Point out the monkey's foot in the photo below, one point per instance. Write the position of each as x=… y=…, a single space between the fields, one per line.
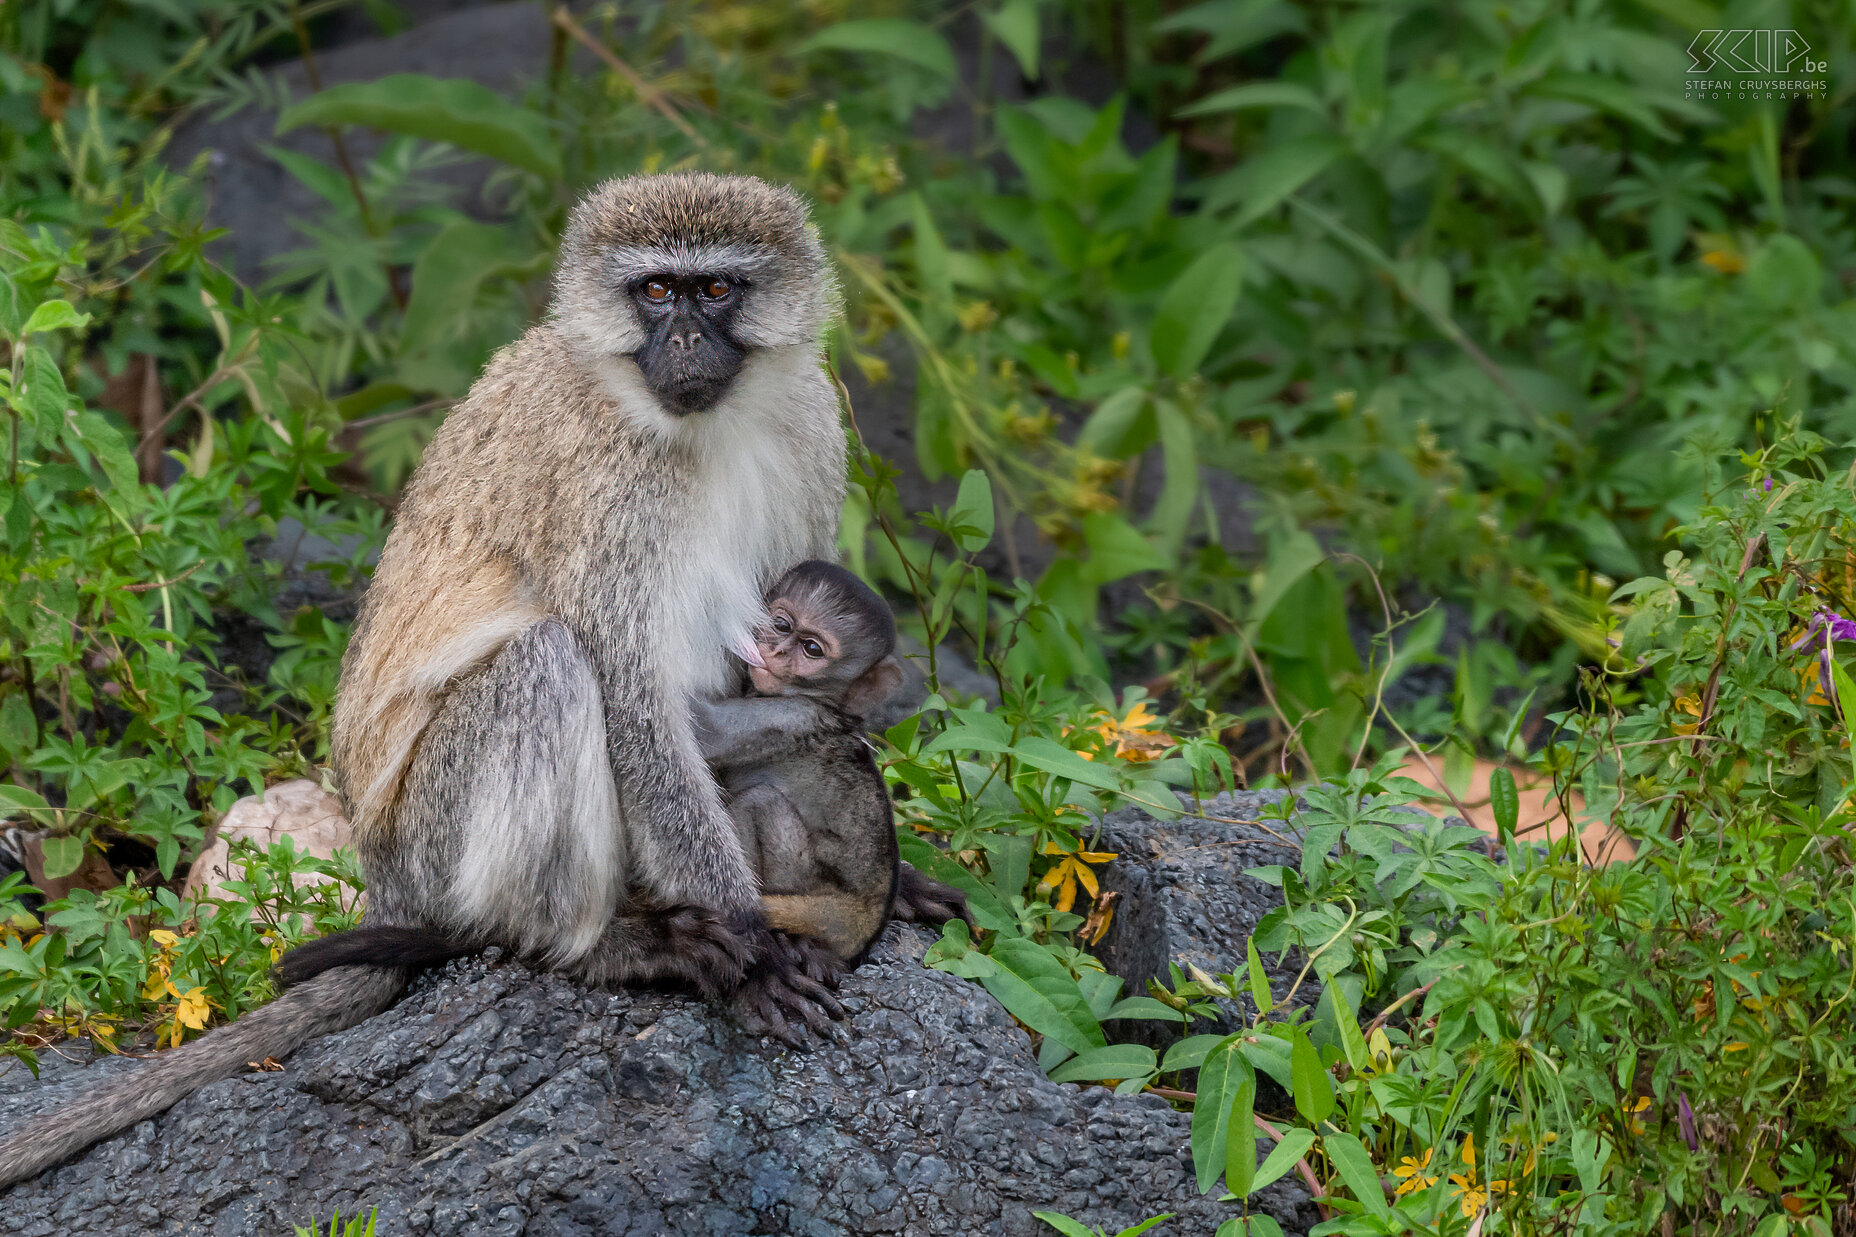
x=676 y=944
x=708 y=952
x=788 y=994
x=921 y=900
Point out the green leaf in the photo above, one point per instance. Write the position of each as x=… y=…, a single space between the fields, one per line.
x=932 y=261
x=973 y=511
x=1053 y=757
x=1846 y=700
x=18 y=798
x=888 y=36
x=1015 y=24
x=1265 y=181
x=1179 y=493
x=1294 y=1145
x=1355 y=1166
x=105 y=444
x=54 y=316
x=1117 y=549
x=1065 y=1225
x=1036 y=990
x=1190 y=1053
x=1107 y=429
x=1240 y=1157
x=1135 y=1230
x=1255 y=94
x=1142 y=1008
x=1346 y=1019
x=1114 y=1061
x=1194 y=309
x=1313 y=1089
x=62 y=855
x=1272 y=1055
x=40 y=391
x=461 y=259
x=1259 y=982
x=19 y=730
x=1294 y=558
x=1221 y=1078
x=1505 y=799
x=439 y=109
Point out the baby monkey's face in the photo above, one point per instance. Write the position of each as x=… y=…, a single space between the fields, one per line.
x=798 y=652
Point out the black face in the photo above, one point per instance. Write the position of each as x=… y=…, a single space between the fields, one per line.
x=690 y=354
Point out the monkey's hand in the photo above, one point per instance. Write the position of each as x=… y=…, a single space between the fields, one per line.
x=743 y=731
x=788 y=993
x=921 y=900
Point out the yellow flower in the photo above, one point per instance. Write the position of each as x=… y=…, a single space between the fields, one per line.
x=1137 y=736
x=1631 y=1109
x=1058 y=886
x=976 y=316
x=1690 y=705
x=1726 y=261
x=1411 y=1173
x=1470 y=1194
x=192 y=1011
x=1469 y=1150
x=164 y=938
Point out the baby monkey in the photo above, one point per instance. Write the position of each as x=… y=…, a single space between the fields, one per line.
x=808 y=802
x=807 y=799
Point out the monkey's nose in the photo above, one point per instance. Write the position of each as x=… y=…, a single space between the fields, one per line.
x=686 y=340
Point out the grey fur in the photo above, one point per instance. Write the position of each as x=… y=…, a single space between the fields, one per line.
x=569 y=564
x=333 y=1001
x=810 y=806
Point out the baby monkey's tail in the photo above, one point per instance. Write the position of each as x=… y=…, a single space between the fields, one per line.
x=333 y=1001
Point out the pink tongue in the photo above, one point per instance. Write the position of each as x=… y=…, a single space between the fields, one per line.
x=749 y=652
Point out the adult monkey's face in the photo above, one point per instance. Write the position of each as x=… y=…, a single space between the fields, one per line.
x=687 y=276
x=690 y=353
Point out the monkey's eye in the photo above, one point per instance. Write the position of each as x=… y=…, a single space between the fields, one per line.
x=717 y=289
x=657 y=290
x=781 y=625
x=813 y=648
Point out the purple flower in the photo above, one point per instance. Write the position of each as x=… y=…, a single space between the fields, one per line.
x=1686 y=1116
x=1768 y=484
x=1825 y=629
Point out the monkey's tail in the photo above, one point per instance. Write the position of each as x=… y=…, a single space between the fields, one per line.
x=332 y=1001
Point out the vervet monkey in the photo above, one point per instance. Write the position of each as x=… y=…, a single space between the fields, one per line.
x=589 y=531
x=810 y=807
x=809 y=804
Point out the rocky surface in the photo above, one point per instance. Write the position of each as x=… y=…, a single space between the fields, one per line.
x=493 y=1100
x=1185 y=898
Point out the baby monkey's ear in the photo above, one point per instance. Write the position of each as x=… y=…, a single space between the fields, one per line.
x=871 y=688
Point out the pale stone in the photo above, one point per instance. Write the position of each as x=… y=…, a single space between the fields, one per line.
x=310 y=815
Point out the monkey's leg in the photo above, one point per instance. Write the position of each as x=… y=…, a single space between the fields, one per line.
x=921 y=900
x=508 y=828
x=846 y=921
x=774 y=838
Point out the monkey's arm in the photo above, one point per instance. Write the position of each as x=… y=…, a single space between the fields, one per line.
x=740 y=732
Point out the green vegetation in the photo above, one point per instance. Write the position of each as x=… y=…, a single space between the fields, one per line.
x=1472 y=305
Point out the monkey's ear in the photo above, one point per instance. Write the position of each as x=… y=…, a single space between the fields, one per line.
x=873 y=687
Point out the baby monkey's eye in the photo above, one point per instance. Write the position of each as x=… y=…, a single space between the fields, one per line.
x=813 y=648
x=657 y=290
x=717 y=289
x=781 y=625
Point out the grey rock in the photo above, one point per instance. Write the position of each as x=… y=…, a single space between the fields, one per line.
x=1185 y=899
x=497 y=1100
x=502 y=46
